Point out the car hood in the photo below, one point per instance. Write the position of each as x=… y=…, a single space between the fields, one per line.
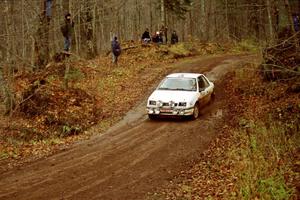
x=171 y=95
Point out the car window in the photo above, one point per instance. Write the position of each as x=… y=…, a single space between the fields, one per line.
x=205 y=81
x=202 y=83
x=187 y=84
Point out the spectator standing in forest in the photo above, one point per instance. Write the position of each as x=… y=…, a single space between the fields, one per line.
x=116 y=50
x=157 y=38
x=296 y=21
x=146 y=36
x=67 y=30
x=164 y=34
x=174 y=38
x=161 y=37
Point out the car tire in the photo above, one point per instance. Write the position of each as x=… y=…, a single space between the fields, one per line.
x=152 y=117
x=212 y=97
x=196 y=112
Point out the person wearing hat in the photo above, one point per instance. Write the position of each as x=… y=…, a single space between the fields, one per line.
x=67 y=30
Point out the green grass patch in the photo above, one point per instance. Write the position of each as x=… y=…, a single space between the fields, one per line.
x=247 y=45
x=264 y=161
x=181 y=50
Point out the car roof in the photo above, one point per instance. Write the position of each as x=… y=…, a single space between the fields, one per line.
x=184 y=75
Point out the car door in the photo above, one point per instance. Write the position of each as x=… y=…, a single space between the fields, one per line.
x=202 y=91
x=209 y=88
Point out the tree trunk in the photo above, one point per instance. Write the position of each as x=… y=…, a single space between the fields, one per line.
x=151 y=16
x=227 y=20
x=23 y=32
x=162 y=12
x=202 y=19
x=271 y=32
x=7 y=95
x=89 y=29
x=66 y=6
x=42 y=39
x=7 y=27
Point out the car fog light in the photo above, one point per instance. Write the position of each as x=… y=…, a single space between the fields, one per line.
x=175 y=112
x=151 y=111
x=157 y=111
x=181 y=112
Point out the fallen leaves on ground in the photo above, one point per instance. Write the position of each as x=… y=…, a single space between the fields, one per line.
x=49 y=116
x=222 y=171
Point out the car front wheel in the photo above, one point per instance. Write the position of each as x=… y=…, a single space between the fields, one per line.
x=152 y=117
x=196 y=111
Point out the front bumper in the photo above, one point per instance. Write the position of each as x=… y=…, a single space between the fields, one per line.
x=170 y=111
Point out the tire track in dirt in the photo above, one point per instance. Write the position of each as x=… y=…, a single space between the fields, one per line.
x=131 y=159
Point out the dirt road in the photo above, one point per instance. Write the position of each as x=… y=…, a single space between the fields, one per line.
x=132 y=158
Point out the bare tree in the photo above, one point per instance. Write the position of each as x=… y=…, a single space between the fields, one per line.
x=42 y=37
x=6 y=94
x=31 y=35
x=89 y=7
x=269 y=8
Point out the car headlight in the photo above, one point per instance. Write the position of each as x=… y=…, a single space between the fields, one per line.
x=159 y=104
x=152 y=103
x=183 y=104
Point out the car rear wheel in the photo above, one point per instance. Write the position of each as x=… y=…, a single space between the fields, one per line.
x=212 y=97
x=196 y=111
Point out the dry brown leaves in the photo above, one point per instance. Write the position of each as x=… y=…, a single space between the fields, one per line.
x=215 y=176
x=48 y=116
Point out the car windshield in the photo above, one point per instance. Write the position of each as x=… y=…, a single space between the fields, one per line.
x=185 y=84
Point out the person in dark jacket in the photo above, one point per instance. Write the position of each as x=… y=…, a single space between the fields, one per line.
x=146 y=36
x=296 y=21
x=116 y=50
x=174 y=38
x=157 y=38
x=67 y=30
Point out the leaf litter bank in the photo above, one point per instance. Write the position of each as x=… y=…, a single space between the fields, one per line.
x=49 y=117
x=256 y=156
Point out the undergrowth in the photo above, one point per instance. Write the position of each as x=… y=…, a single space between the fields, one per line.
x=264 y=161
x=246 y=45
x=257 y=153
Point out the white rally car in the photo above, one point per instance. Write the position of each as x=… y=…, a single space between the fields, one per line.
x=180 y=94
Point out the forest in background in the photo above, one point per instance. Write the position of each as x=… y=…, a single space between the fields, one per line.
x=30 y=30
x=30 y=33
x=50 y=105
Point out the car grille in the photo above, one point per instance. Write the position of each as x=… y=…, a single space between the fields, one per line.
x=164 y=104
